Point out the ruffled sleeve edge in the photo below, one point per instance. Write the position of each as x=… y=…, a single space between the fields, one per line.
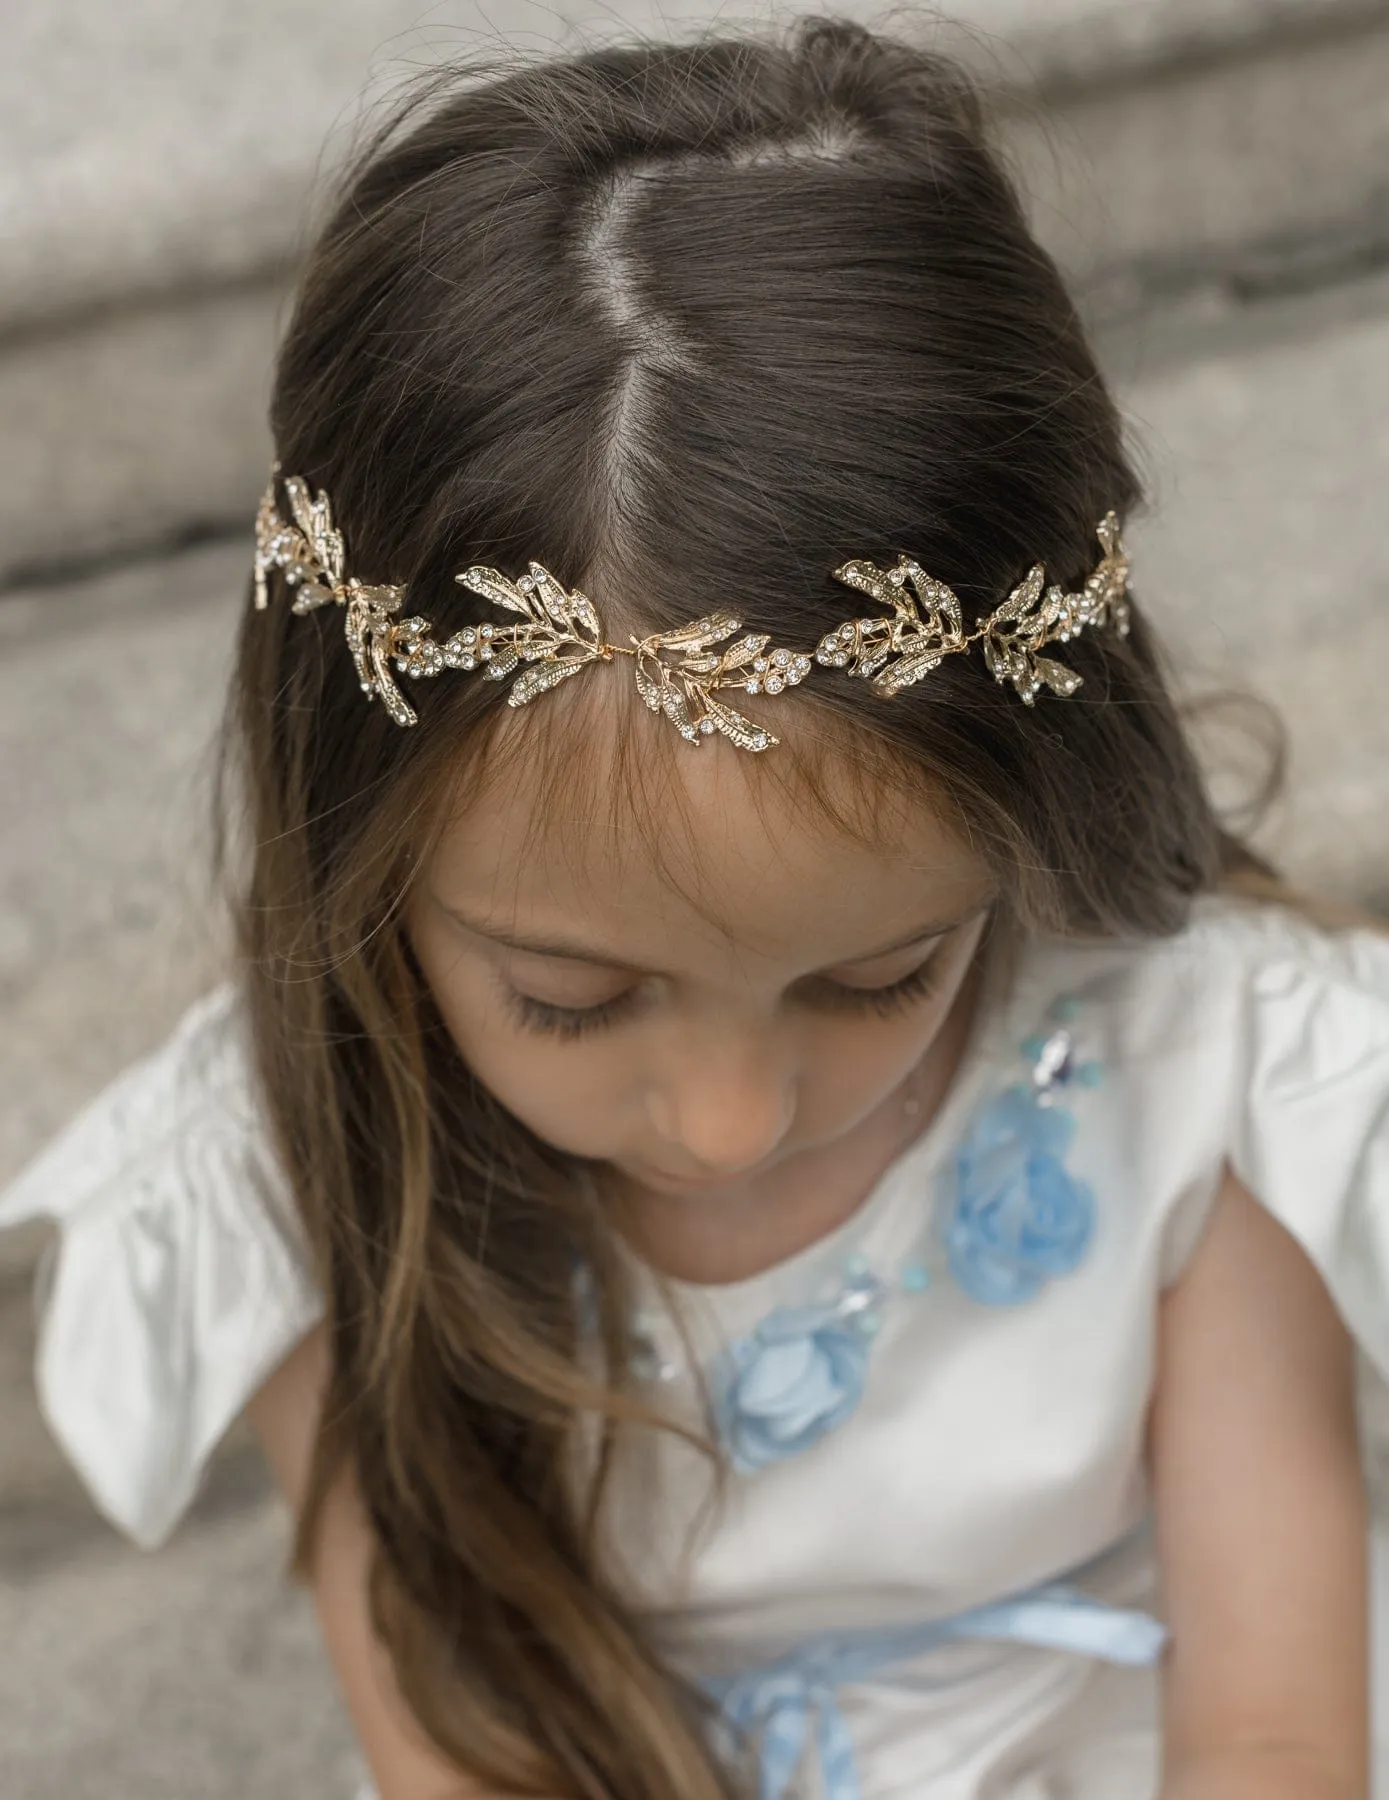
x=179 y=1280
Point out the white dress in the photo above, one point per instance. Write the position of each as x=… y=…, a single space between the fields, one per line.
x=937 y=1409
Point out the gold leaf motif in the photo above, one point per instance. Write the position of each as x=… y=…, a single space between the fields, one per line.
x=925 y=623
x=561 y=634
x=699 y=634
x=925 y=626
x=538 y=679
x=1023 y=597
x=676 y=708
x=355 y=630
x=308 y=595
x=392 y=699
x=550 y=594
x=907 y=670
x=496 y=588
x=310 y=554
x=869 y=579
x=649 y=689
x=1057 y=676
x=586 y=614
x=746 y=649
x=382 y=602
x=371 y=633
x=678 y=674
x=935 y=602
x=997 y=658
x=567 y=611
x=314 y=518
x=736 y=728
x=503 y=660
x=275 y=545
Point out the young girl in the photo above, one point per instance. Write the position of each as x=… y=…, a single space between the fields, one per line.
x=782 y=1228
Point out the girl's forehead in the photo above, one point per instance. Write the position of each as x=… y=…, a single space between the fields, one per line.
x=673 y=851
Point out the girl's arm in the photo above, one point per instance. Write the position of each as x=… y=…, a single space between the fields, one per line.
x=1261 y=1523
x=284 y=1414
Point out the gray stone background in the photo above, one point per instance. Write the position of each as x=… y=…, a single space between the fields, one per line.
x=1214 y=175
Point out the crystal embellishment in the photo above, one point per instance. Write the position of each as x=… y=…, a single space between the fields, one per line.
x=309 y=553
x=681 y=674
x=1017 y=1219
x=924 y=623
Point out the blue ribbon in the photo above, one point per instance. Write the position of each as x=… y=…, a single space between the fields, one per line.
x=777 y=1703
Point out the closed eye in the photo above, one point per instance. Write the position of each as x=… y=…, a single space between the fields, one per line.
x=839 y=996
x=569 y=1023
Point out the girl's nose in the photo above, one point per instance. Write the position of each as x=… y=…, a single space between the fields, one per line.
x=724 y=1109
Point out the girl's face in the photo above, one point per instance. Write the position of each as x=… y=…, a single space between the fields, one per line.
x=706 y=1018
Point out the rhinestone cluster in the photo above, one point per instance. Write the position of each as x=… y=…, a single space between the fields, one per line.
x=836 y=647
x=782 y=669
x=419 y=656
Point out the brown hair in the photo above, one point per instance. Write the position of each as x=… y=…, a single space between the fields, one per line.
x=678 y=323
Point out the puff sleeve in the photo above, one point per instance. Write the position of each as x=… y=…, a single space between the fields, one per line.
x=179 y=1279
x=1311 y=1125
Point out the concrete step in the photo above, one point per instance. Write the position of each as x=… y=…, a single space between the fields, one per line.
x=111 y=693
x=157 y=217
x=1264 y=434
x=198 y=1675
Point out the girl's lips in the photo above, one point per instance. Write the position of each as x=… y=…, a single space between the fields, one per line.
x=657 y=1179
x=682 y=1183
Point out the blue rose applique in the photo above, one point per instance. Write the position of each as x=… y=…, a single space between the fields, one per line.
x=1020 y=1217
x=789 y=1383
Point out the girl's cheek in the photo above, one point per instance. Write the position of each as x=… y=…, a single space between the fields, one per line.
x=572 y=1094
x=858 y=1065
x=861 y=1067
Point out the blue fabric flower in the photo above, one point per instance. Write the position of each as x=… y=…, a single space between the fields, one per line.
x=784 y=1387
x=1020 y=1217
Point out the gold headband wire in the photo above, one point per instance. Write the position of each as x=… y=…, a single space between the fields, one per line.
x=681 y=673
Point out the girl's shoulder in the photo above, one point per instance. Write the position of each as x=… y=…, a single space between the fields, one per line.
x=1254 y=961
x=1251 y=1003
x=1257 y=1041
x=178 y=1278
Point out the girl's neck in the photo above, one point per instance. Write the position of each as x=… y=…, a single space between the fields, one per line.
x=741 y=1231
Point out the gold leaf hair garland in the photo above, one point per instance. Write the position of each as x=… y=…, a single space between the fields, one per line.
x=924 y=624
x=681 y=673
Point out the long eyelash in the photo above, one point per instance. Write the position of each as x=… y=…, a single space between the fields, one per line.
x=885 y=1001
x=567 y=1022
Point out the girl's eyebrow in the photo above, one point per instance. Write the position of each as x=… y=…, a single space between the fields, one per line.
x=569 y=951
